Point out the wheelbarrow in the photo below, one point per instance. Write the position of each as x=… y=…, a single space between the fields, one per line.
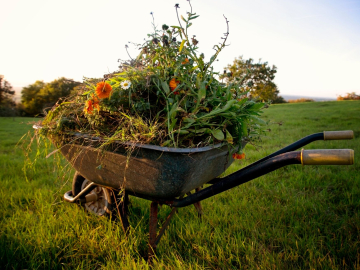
x=104 y=180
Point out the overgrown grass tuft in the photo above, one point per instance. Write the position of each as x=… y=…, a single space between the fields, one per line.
x=298 y=217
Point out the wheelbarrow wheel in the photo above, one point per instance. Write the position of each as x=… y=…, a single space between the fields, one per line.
x=100 y=207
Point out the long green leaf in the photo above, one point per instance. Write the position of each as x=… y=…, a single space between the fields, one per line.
x=165 y=86
x=182 y=131
x=202 y=91
x=193 y=17
x=218 y=134
x=256 y=106
x=182 y=45
x=229 y=138
x=257 y=120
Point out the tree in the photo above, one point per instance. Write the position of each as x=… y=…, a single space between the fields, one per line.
x=39 y=96
x=55 y=90
x=349 y=96
x=30 y=99
x=7 y=103
x=255 y=77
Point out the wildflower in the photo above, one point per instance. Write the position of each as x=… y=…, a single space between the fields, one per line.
x=91 y=104
x=103 y=89
x=238 y=156
x=88 y=107
x=173 y=84
x=95 y=101
x=185 y=61
x=125 y=84
x=194 y=41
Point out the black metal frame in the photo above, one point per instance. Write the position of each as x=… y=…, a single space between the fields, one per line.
x=272 y=162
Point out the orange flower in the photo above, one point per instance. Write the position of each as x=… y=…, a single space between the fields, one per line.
x=91 y=104
x=103 y=89
x=95 y=102
x=185 y=61
x=173 y=84
x=238 y=156
x=88 y=107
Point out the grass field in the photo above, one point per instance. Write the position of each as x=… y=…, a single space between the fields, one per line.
x=298 y=217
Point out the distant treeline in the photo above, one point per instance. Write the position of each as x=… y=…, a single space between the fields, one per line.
x=300 y=100
x=349 y=96
x=36 y=98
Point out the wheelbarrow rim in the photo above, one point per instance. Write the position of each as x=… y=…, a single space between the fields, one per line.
x=148 y=146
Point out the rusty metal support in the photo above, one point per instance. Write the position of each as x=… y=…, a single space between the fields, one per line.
x=198 y=206
x=154 y=238
x=165 y=225
x=152 y=230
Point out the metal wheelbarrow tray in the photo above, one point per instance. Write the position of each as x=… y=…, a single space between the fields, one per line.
x=167 y=176
x=151 y=171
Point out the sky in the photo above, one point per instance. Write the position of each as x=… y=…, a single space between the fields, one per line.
x=315 y=44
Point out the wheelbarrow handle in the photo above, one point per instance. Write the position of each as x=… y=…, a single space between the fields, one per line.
x=326 y=135
x=305 y=157
x=339 y=135
x=327 y=157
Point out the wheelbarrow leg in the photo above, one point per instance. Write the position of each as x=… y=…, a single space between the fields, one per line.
x=197 y=205
x=152 y=230
x=122 y=208
x=153 y=238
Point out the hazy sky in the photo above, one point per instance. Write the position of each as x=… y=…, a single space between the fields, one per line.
x=315 y=44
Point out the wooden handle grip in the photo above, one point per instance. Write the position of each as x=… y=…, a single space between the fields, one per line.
x=339 y=135
x=327 y=157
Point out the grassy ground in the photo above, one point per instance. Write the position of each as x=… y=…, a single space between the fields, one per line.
x=298 y=217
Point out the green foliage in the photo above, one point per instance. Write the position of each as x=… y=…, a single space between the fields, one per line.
x=30 y=98
x=279 y=100
x=257 y=78
x=171 y=89
x=7 y=104
x=39 y=95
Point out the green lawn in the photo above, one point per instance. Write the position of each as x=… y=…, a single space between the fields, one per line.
x=298 y=217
